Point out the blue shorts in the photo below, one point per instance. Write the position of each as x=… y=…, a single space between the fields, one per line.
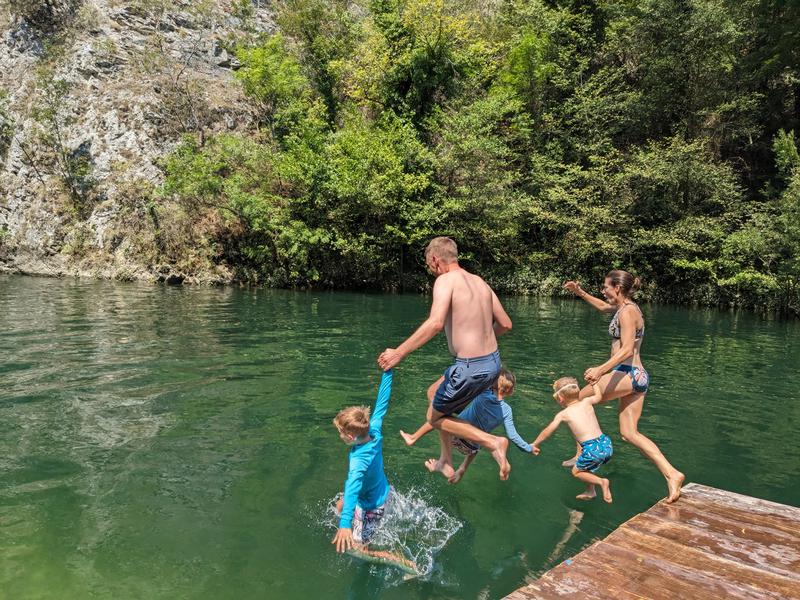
x=367 y=522
x=594 y=453
x=464 y=380
x=639 y=377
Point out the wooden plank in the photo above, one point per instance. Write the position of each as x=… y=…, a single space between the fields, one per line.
x=656 y=548
x=620 y=572
x=749 y=546
x=778 y=523
x=653 y=577
x=584 y=577
x=753 y=505
x=710 y=544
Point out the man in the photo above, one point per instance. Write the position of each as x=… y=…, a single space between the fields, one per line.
x=472 y=317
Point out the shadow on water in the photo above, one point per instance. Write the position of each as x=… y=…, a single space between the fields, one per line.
x=177 y=442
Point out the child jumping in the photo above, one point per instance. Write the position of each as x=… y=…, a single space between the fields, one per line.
x=366 y=491
x=486 y=412
x=596 y=446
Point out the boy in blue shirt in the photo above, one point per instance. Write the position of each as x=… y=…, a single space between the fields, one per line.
x=486 y=412
x=366 y=491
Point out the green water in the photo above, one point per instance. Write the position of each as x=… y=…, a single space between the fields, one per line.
x=164 y=442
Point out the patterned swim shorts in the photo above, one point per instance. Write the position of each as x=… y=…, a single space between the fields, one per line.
x=594 y=453
x=367 y=522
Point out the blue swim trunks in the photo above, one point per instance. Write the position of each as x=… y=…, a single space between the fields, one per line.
x=464 y=380
x=594 y=453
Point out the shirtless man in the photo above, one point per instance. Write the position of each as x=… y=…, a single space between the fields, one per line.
x=472 y=318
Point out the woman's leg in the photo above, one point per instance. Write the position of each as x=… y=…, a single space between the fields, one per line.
x=630 y=410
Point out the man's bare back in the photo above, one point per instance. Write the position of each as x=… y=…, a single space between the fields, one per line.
x=469 y=322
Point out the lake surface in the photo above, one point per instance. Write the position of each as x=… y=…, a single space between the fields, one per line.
x=160 y=442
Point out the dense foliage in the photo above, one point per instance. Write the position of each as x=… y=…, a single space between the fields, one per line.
x=550 y=139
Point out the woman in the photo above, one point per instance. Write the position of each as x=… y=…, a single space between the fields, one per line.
x=623 y=376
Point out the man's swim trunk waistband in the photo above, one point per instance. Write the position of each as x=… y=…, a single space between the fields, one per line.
x=464 y=380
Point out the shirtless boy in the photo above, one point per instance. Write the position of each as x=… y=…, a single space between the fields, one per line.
x=579 y=416
x=472 y=318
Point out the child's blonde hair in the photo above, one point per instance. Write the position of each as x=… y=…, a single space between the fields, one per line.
x=353 y=420
x=506 y=382
x=568 y=387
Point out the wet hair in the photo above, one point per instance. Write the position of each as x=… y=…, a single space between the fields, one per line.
x=506 y=382
x=353 y=420
x=443 y=248
x=628 y=284
x=567 y=387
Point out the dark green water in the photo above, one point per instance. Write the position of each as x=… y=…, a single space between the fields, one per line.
x=177 y=442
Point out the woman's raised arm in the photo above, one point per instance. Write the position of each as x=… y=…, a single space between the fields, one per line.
x=601 y=305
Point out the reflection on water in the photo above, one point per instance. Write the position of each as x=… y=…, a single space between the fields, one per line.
x=177 y=442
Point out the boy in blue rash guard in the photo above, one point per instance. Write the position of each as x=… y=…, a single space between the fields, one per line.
x=486 y=413
x=366 y=491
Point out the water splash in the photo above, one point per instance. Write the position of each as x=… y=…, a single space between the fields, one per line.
x=410 y=528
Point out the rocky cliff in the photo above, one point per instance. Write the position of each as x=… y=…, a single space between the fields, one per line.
x=93 y=94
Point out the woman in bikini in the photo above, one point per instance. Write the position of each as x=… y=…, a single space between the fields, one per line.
x=623 y=376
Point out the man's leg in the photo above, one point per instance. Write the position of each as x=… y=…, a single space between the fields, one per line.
x=445 y=463
x=496 y=445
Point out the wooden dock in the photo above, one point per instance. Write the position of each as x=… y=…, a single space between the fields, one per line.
x=709 y=544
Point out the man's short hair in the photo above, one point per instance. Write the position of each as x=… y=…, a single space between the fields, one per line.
x=353 y=420
x=443 y=248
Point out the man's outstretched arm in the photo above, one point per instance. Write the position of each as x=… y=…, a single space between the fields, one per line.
x=442 y=294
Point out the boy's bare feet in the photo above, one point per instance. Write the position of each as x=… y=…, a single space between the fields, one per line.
x=606 y=487
x=589 y=494
x=437 y=465
x=407 y=438
x=456 y=477
x=499 y=455
x=570 y=462
x=674 y=484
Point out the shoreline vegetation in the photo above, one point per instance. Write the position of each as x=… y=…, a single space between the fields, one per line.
x=552 y=140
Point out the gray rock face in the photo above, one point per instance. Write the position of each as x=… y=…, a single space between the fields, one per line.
x=129 y=69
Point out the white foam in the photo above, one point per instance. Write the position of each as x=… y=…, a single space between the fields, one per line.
x=411 y=528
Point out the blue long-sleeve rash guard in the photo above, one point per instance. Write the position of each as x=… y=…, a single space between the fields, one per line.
x=366 y=484
x=487 y=412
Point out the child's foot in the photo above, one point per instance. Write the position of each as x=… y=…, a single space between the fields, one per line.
x=570 y=462
x=456 y=477
x=674 y=484
x=589 y=494
x=407 y=438
x=606 y=487
x=434 y=465
x=499 y=455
